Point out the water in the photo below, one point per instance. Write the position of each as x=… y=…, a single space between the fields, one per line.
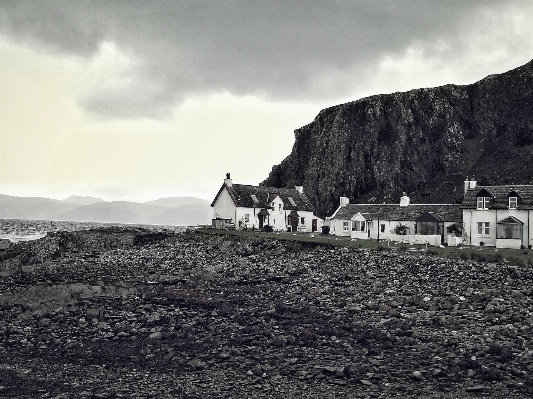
x=16 y=230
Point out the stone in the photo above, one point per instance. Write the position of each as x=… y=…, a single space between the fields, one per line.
x=417 y=375
x=155 y=335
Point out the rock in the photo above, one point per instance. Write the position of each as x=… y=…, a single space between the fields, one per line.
x=4 y=244
x=197 y=364
x=417 y=375
x=155 y=335
x=45 y=322
x=477 y=388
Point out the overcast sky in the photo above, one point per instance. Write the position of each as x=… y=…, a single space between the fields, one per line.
x=136 y=100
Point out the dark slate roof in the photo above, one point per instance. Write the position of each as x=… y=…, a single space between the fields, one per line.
x=245 y=196
x=499 y=196
x=445 y=212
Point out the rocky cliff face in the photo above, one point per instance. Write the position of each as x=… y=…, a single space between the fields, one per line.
x=424 y=141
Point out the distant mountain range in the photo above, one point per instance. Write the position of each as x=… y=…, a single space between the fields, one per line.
x=175 y=211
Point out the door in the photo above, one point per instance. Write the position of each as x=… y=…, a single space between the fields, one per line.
x=314 y=225
x=260 y=221
x=294 y=222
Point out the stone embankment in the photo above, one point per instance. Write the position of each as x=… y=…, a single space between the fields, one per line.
x=129 y=313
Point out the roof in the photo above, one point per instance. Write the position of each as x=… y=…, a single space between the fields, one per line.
x=445 y=212
x=499 y=196
x=510 y=220
x=248 y=196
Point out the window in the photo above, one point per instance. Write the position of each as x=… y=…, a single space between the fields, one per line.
x=382 y=228
x=483 y=229
x=345 y=226
x=509 y=230
x=483 y=202
x=358 y=225
x=513 y=202
x=247 y=217
x=302 y=220
x=279 y=207
x=273 y=205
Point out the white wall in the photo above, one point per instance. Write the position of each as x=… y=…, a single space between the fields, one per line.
x=471 y=217
x=224 y=207
x=336 y=228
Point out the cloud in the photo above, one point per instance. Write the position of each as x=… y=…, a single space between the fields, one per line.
x=142 y=58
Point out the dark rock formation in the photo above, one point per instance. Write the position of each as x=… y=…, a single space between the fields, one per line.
x=424 y=141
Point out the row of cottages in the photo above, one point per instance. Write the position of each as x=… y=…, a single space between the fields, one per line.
x=434 y=224
x=242 y=206
x=498 y=215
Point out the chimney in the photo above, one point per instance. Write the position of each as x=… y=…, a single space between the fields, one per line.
x=404 y=200
x=300 y=189
x=470 y=183
x=227 y=180
x=344 y=201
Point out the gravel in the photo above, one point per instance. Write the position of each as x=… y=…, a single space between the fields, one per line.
x=133 y=313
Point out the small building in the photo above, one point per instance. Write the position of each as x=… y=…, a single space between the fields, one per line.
x=498 y=216
x=242 y=206
x=434 y=224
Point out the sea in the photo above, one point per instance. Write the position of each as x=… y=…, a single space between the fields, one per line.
x=16 y=230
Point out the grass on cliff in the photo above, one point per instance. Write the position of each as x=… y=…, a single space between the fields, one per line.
x=513 y=257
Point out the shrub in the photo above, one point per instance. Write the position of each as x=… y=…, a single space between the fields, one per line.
x=401 y=229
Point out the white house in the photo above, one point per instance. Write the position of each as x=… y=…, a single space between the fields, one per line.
x=434 y=224
x=498 y=215
x=254 y=207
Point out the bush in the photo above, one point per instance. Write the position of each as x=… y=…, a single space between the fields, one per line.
x=268 y=229
x=401 y=229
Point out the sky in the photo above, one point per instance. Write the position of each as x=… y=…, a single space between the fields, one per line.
x=138 y=100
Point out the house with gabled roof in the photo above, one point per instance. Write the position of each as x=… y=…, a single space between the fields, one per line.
x=242 y=206
x=434 y=224
x=498 y=215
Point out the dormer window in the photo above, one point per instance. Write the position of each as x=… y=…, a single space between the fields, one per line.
x=483 y=202
x=484 y=198
x=513 y=199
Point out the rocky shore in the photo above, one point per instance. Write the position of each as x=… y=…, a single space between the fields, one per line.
x=133 y=313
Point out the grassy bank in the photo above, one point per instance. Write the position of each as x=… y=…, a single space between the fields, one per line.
x=515 y=257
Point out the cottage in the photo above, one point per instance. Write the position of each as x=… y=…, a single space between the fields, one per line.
x=254 y=207
x=434 y=224
x=497 y=215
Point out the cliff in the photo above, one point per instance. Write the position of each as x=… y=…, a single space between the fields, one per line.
x=425 y=142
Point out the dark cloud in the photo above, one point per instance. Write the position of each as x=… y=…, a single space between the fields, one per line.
x=276 y=49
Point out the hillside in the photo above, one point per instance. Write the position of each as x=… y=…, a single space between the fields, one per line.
x=83 y=200
x=86 y=209
x=425 y=142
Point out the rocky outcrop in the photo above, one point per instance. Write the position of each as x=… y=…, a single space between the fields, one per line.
x=424 y=141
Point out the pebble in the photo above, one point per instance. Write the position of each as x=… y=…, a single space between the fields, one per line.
x=190 y=315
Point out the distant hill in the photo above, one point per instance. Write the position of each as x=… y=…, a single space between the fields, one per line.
x=189 y=214
x=83 y=200
x=174 y=202
x=32 y=207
